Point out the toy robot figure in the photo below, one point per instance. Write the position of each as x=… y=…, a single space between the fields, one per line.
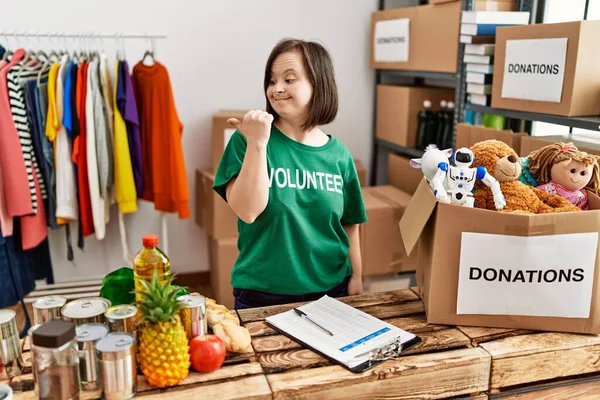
x=461 y=179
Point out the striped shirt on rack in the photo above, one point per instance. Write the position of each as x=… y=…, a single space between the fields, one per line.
x=17 y=77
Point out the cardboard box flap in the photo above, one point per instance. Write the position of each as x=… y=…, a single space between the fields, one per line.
x=416 y=215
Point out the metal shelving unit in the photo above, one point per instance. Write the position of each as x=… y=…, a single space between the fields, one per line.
x=403 y=151
x=458 y=81
x=591 y=123
x=536 y=7
x=442 y=76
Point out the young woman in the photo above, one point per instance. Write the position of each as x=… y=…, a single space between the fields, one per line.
x=294 y=187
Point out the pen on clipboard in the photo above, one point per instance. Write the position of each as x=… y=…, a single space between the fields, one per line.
x=303 y=315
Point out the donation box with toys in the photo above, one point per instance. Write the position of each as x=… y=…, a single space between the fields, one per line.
x=514 y=254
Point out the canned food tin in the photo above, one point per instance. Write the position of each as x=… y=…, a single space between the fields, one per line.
x=87 y=336
x=10 y=345
x=47 y=308
x=116 y=353
x=89 y=310
x=193 y=316
x=122 y=318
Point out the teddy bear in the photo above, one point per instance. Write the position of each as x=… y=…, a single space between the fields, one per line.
x=504 y=164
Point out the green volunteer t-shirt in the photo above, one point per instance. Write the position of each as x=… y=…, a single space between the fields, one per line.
x=298 y=244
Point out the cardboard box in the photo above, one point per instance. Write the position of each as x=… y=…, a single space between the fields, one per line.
x=222 y=254
x=445 y=235
x=467 y=135
x=532 y=143
x=381 y=245
x=433 y=33
x=402 y=175
x=579 y=94
x=496 y=6
x=221 y=133
x=441 y=1
x=362 y=173
x=398 y=111
x=213 y=214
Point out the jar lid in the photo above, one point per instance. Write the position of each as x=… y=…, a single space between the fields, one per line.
x=192 y=300
x=115 y=345
x=91 y=332
x=8 y=324
x=33 y=329
x=49 y=302
x=54 y=334
x=122 y=311
x=85 y=308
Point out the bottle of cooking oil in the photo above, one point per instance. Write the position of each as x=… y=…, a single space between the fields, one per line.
x=146 y=261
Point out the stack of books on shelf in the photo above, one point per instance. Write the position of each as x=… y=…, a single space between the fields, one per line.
x=478 y=32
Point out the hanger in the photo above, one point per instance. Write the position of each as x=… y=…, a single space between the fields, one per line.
x=74 y=56
x=123 y=54
x=150 y=52
x=53 y=56
x=37 y=59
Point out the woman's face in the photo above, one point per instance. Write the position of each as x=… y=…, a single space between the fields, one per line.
x=289 y=90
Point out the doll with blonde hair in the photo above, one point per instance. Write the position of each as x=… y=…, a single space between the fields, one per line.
x=562 y=169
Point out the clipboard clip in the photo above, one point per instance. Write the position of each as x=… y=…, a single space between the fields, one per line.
x=389 y=351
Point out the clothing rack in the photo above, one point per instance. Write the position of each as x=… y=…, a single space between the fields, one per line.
x=101 y=35
x=76 y=35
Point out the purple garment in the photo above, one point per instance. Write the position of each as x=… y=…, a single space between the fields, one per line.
x=128 y=108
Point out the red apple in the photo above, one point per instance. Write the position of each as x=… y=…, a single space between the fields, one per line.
x=207 y=353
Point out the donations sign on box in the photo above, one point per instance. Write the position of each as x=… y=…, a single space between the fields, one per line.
x=534 y=69
x=392 y=40
x=542 y=276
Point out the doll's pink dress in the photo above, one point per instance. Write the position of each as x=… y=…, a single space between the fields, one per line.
x=578 y=198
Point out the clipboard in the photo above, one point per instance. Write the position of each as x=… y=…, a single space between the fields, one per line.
x=359 y=342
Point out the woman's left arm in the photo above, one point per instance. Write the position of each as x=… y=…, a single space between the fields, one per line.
x=355 y=284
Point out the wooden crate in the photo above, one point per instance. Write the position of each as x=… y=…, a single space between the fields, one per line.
x=451 y=362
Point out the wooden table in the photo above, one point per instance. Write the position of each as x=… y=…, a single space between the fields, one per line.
x=451 y=362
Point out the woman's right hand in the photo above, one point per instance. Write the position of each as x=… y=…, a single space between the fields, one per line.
x=256 y=126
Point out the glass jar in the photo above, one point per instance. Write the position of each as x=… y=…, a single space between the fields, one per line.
x=56 y=361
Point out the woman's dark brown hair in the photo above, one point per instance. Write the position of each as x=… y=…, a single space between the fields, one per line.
x=323 y=106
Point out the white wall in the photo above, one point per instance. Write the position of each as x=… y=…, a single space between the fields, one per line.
x=215 y=53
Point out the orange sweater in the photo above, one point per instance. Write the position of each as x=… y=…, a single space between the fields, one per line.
x=163 y=165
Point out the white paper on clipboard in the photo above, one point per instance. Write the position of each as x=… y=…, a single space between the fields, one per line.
x=355 y=332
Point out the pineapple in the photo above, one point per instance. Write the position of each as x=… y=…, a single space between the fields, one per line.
x=163 y=346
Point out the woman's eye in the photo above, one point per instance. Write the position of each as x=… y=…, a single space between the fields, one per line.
x=271 y=82
x=573 y=170
x=290 y=80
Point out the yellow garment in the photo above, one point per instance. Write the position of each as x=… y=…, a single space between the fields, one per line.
x=52 y=122
x=125 y=192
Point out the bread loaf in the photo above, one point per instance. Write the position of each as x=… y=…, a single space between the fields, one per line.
x=226 y=326
x=236 y=338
